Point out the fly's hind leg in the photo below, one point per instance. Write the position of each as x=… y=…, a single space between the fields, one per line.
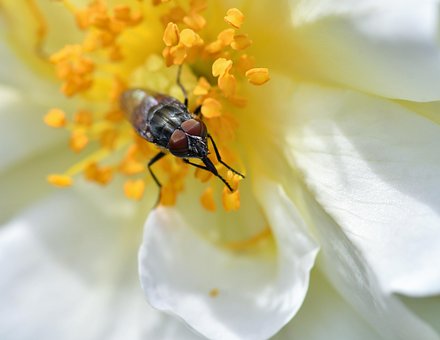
x=150 y=163
x=219 y=158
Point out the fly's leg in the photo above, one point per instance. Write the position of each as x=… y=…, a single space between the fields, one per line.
x=211 y=169
x=150 y=163
x=219 y=158
x=185 y=94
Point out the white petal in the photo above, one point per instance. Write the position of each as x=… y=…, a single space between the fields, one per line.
x=325 y=315
x=426 y=308
x=389 y=48
x=68 y=271
x=257 y=294
x=352 y=277
x=373 y=165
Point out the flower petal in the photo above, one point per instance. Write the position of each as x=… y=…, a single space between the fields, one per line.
x=373 y=165
x=255 y=294
x=68 y=272
x=21 y=125
x=387 y=48
x=348 y=270
x=325 y=315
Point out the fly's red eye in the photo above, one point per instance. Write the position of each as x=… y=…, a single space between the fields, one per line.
x=178 y=143
x=194 y=127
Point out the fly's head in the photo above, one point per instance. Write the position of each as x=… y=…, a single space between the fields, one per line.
x=189 y=140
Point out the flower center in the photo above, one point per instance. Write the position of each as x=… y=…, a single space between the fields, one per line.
x=119 y=51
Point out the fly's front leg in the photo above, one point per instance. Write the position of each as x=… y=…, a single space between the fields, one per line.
x=219 y=158
x=211 y=169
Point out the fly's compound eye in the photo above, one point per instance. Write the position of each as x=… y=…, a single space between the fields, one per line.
x=178 y=144
x=194 y=127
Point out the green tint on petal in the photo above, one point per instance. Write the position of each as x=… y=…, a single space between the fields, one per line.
x=326 y=315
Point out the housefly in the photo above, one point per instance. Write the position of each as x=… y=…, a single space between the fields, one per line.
x=165 y=121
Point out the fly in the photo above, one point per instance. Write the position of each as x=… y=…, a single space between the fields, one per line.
x=165 y=121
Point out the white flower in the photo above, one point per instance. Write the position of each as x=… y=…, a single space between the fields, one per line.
x=341 y=152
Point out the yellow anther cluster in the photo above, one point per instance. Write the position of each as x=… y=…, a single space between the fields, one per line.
x=107 y=60
x=74 y=69
x=55 y=118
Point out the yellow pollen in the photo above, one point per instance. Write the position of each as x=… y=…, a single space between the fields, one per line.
x=241 y=42
x=202 y=175
x=221 y=66
x=83 y=117
x=134 y=189
x=253 y=241
x=226 y=36
x=214 y=292
x=55 y=118
x=245 y=63
x=61 y=181
x=211 y=108
x=258 y=76
x=234 y=17
x=195 y=21
x=228 y=84
x=207 y=199
x=189 y=38
x=168 y=196
x=171 y=35
x=116 y=45
x=231 y=200
x=100 y=175
x=78 y=140
x=202 y=87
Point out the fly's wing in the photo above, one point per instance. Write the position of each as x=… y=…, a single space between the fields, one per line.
x=132 y=98
x=153 y=115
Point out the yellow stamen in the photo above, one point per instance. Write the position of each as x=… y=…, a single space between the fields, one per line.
x=231 y=200
x=207 y=199
x=100 y=175
x=221 y=66
x=42 y=26
x=168 y=196
x=228 y=84
x=226 y=36
x=241 y=42
x=258 y=76
x=61 y=181
x=171 y=34
x=195 y=21
x=55 y=118
x=211 y=108
x=108 y=61
x=83 y=117
x=190 y=38
x=214 y=292
x=134 y=189
x=263 y=235
x=202 y=87
x=78 y=140
x=234 y=17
